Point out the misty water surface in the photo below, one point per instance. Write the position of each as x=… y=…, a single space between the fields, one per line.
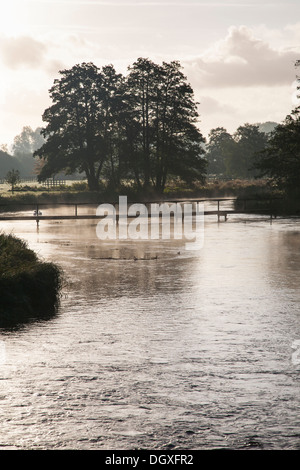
x=190 y=350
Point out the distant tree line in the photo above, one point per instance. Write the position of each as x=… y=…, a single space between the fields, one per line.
x=234 y=155
x=19 y=158
x=274 y=155
x=111 y=127
x=280 y=160
x=143 y=127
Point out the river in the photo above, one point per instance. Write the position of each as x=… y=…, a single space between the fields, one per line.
x=157 y=347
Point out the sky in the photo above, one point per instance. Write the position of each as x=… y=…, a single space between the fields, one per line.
x=238 y=56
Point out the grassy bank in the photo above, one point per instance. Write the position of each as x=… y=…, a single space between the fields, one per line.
x=219 y=188
x=259 y=194
x=29 y=288
x=79 y=193
x=16 y=200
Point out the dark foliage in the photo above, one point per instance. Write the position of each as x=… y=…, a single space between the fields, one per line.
x=29 y=288
x=141 y=127
x=280 y=161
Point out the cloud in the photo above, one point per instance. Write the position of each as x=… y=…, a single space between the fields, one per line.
x=22 y=51
x=25 y=101
x=209 y=105
x=243 y=60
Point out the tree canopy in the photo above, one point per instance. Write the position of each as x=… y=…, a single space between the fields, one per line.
x=24 y=146
x=27 y=142
x=142 y=126
x=233 y=155
x=280 y=160
x=219 y=149
x=13 y=178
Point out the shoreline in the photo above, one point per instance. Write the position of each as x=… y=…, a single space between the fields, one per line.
x=258 y=194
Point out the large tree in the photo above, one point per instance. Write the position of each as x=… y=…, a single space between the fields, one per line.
x=165 y=139
x=280 y=160
x=78 y=131
x=250 y=141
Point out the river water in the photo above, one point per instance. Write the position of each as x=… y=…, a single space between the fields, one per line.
x=157 y=347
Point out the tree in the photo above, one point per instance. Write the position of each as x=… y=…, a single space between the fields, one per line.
x=24 y=146
x=163 y=133
x=114 y=167
x=140 y=91
x=219 y=150
x=179 y=149
x=79 y=123
x=13 y=178
x=249 y=141
x=233 y=155
x=280 y=160
x=27 y=141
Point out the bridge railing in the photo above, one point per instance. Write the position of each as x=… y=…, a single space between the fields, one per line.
x=221 y=207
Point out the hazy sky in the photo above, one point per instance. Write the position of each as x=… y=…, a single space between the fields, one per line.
x=238 y=56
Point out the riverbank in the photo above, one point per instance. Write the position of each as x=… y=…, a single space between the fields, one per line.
x=29 y=287
x=276 y=203
x=79 y=193
x=253 y=196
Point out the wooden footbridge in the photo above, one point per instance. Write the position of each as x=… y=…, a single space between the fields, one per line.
x=75 y=211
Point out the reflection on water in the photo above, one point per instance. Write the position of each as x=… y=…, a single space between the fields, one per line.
x=157 y=347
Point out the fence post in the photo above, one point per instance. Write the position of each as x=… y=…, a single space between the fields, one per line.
x=37 y=216
x=271 y=209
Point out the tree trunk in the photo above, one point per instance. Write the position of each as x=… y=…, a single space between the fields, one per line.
x=93 y=183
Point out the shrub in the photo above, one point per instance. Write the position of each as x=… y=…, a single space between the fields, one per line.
x=29 y=287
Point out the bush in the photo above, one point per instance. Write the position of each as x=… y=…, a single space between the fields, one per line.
x=29 y=288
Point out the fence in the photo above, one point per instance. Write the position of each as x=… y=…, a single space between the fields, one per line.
x=49 y=183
